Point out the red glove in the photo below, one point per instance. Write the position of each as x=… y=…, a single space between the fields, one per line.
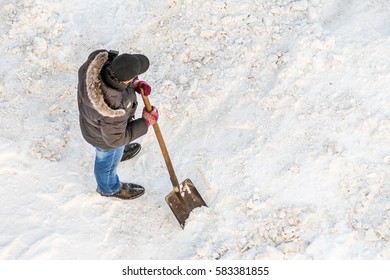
x=150 y=117
x=138 y=84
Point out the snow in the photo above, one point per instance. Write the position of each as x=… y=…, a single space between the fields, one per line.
x=277 y=110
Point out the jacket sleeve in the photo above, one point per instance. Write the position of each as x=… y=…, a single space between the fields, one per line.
x=116 y=134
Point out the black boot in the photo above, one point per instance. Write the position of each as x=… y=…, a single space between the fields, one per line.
x=129 y=191
x=131 y=151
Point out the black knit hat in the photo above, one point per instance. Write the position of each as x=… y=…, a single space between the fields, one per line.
x=127 y=66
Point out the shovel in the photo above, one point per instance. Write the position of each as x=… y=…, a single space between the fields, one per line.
x=184 y=197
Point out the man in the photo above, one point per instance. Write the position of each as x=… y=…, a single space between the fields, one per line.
x=107 y=103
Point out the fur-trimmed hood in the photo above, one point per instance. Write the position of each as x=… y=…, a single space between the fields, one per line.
x=94 y=87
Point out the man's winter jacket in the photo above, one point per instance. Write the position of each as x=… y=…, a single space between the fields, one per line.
x=106 y=108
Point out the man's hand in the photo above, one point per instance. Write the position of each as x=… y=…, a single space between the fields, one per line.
x=150 y=117
x=138 y=84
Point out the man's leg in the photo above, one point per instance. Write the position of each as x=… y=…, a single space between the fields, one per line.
x=106 y=163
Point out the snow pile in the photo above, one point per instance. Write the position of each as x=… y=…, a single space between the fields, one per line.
x=276 y=110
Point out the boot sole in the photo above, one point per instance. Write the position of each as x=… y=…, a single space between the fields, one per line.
x=124 y=198
x=129 y=198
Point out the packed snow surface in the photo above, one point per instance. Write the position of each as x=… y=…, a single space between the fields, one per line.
x=277 y=110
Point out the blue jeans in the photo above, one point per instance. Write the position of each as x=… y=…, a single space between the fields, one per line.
x=106 y=162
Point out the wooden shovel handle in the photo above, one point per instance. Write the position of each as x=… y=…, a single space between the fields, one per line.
x=161 y=142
